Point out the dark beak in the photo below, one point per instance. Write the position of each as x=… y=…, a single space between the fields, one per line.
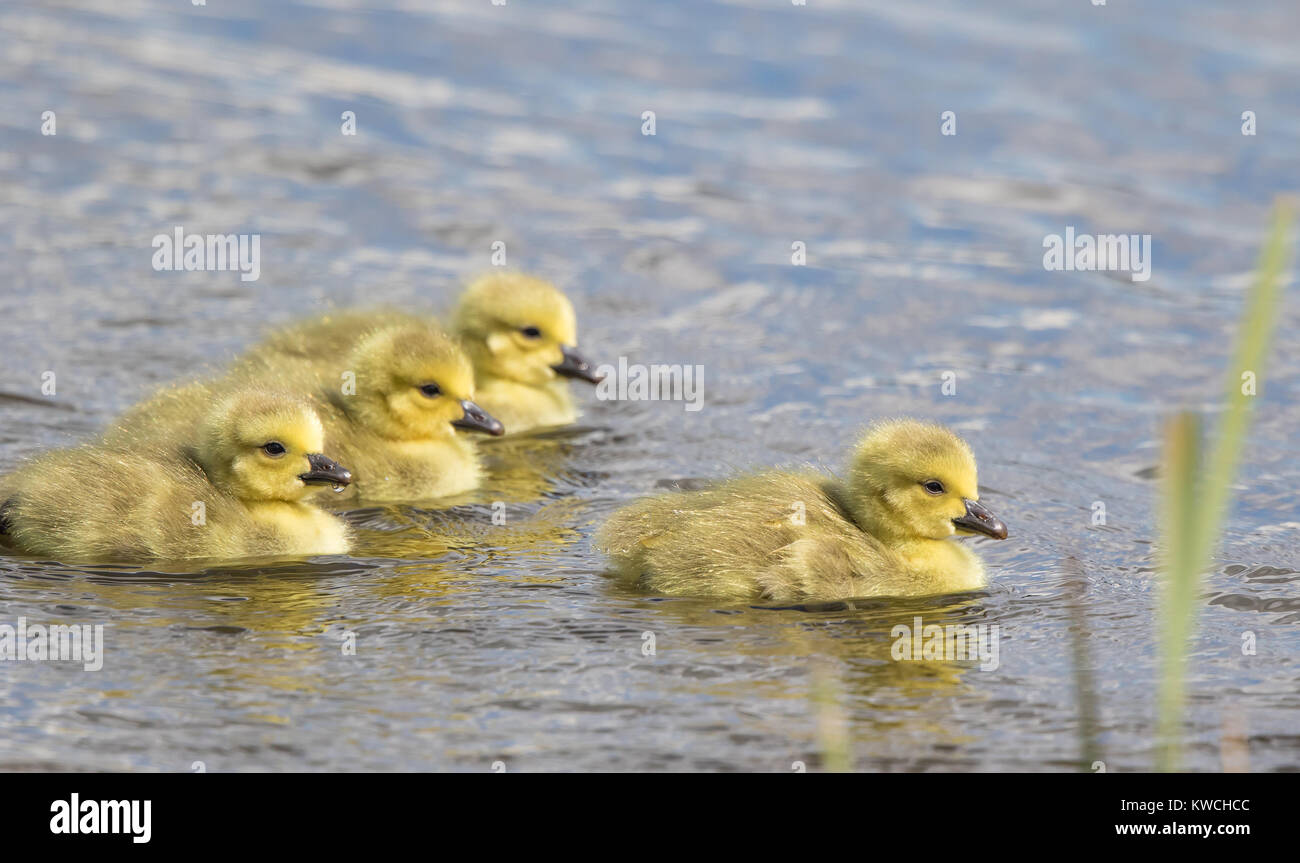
x=478 y=419
x=575 y=365
x=325 y=471
x=978 y=519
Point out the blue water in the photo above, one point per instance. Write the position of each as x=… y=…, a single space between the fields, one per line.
x=775 y=124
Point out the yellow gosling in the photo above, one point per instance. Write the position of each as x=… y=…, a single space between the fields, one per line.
x=393 y=406
x=238 y=487
x=885 y=530
x=522 y=335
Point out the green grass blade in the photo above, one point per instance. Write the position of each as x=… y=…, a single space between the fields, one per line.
x=1248 y=359
x=1196 y=493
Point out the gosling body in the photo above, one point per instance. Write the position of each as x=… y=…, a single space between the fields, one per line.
x=422 y=466
x=390 y=404
x=218 y=496
x=794 y=536
x=520 y=333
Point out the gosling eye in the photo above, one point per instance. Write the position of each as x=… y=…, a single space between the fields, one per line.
x=431 y=390
x=531 y=332
x=274 y=449
x=933 y=486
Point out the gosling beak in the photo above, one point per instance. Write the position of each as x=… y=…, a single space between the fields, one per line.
x=325 y=471
x=978 y=519
x=478 y=419
x=575 y=365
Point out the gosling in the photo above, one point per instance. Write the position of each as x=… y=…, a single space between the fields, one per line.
x=238 y=488
x=522 y=335
x=519 y=331
x=393 y=407
x=390 y=407
x=883 y=531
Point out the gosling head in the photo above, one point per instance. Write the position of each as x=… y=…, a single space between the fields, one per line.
x=915 y=480
x=412 y=382
x=265 y=446
x=522 y=329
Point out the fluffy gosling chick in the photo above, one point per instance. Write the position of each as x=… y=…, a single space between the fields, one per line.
x=885 y=530
x=390 y=402
x=237 y=488
x=391 y=408
x=521 y=334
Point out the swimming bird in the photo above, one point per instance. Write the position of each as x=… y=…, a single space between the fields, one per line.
x=884 y=530
x=519 y=331
x=238 y=487
x=390 y=405
x=393 y=406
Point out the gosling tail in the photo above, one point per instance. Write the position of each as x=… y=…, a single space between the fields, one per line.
x=4 y=517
